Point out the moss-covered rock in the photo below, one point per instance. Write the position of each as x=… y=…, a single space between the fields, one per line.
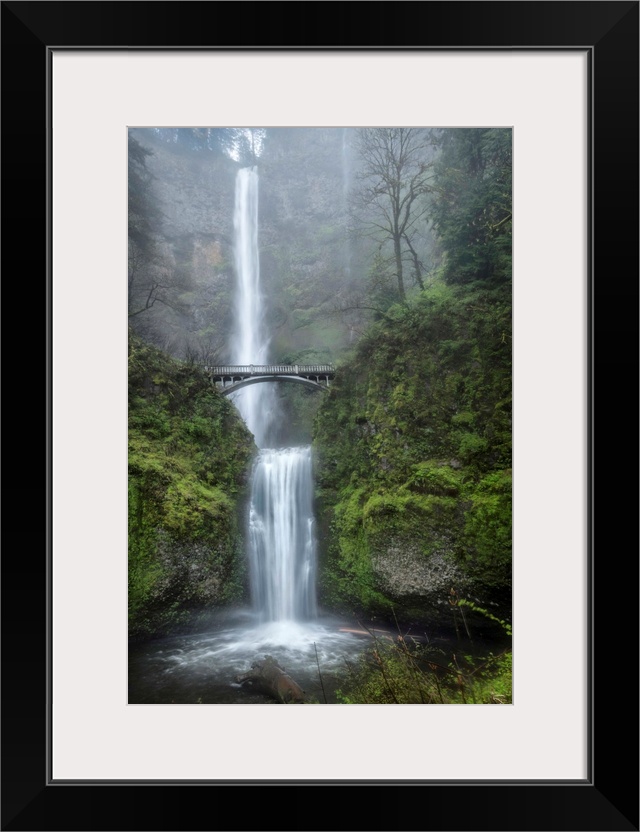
x=189 y=457
x=413 y=449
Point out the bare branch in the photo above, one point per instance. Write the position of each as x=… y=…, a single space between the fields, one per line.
x=396 y=173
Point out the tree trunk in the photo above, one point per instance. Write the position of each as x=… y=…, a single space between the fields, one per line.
x=417 y=271
x=397 y=250
x=268 y=677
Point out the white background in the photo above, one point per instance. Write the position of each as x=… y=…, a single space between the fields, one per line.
x=96 y=734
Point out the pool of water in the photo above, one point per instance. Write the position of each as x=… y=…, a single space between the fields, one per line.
x=203 y=668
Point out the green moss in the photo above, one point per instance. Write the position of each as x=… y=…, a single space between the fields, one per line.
x=189 y=454
x=435 y=478
x=414 y=439
x=190 y=505
x=488 y=526
x=395 y=511
x=348 y=576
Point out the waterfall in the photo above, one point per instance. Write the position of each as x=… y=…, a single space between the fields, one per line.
x=281 y=540
x=281 y=535
x=346 y=177
x=250 y=343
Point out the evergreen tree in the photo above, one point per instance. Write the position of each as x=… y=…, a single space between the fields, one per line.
x=472 y=204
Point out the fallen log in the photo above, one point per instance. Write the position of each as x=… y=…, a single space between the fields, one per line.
x=268 y=677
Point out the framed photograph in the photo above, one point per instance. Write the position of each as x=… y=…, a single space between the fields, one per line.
x=563 y=77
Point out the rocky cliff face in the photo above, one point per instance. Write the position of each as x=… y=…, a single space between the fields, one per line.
x=196 y=190
x=415 y=581
x=304 y=251
x=194 y=194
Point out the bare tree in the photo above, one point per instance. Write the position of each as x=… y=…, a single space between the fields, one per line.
x=203 y=348
x=153 y=279
x=388 y=203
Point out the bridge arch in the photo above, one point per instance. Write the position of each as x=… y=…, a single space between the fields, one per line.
x=228 y=378
x=245 y=382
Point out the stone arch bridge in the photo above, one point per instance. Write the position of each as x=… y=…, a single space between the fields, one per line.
x=233 y=377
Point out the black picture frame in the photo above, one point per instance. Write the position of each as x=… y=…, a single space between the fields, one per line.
x=608 y=799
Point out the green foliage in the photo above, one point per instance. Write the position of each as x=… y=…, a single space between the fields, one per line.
x=189 y=453
x=464 y=602
x=391 y=673
x=382 y=284
x=406 y=672
x=418 y=426
x=472 y=206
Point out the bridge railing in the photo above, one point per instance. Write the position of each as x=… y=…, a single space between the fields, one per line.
x=271 y=369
